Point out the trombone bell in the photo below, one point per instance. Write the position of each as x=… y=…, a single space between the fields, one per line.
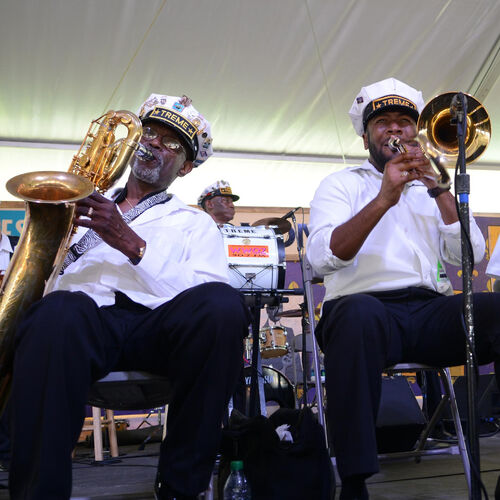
x=437 y=134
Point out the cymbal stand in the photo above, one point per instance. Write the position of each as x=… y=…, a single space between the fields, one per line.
x=307 y=276
x=256 y=381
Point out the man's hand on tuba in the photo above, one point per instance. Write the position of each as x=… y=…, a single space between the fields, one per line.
x=100 y=214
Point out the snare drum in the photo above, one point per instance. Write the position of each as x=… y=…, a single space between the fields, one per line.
x=256 y=257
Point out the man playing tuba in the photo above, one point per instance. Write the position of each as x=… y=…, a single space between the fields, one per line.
x=145 y=288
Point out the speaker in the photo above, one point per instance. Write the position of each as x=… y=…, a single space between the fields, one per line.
x=488 y=398
x=400 y=419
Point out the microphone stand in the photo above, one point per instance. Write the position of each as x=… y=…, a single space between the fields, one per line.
x=463 y=190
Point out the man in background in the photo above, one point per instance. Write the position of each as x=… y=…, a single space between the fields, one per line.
x=217 y=200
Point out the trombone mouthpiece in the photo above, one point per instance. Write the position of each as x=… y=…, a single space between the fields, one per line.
x=143 y=153
x=395 y=144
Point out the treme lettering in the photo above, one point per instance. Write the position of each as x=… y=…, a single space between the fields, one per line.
x=175 y=119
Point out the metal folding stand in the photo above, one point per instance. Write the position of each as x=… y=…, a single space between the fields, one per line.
x=309 y=300
x=463 y=189
x=257 y=401
x=307 y=278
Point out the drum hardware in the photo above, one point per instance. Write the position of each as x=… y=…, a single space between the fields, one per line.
x=282 y=225
x=256 y=300
x=266 y=298
x=256 y=401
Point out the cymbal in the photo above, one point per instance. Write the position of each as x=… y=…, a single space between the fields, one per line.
x=294 y=313
x=291 y=313
x=282 y=224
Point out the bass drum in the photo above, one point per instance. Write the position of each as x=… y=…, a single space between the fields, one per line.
x=256 y=257
x=277 y=388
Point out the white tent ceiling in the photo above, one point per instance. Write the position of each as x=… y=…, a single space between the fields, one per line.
x=275 y=77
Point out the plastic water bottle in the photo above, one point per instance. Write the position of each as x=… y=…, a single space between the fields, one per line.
x=237 y=487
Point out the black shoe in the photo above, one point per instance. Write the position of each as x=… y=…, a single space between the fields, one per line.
x=497 y=489
x=354 y=488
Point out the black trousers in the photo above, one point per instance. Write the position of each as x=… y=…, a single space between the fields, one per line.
x=66 y=342
x=362 y=334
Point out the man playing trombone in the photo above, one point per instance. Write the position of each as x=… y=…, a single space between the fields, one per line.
x=380 y=234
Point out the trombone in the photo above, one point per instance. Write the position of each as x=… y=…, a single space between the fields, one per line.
x=437 y=134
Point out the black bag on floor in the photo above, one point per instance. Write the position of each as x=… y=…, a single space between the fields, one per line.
x=279 y=469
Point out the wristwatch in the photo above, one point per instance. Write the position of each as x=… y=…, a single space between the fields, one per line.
x=436 y=191
x=136 y=260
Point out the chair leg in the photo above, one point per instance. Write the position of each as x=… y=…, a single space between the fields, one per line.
x=164 y=433
x=431 y=424
x=96 y=422
x=110 y=424
x=448 y=387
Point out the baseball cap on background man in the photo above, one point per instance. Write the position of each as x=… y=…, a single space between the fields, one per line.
x=179 y=114
x=218 y=188
x=387 y=95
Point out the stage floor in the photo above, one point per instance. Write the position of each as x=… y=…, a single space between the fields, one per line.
x=436 y=477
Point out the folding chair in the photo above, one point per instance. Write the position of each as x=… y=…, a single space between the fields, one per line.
x=448 y=397
x=130 y=390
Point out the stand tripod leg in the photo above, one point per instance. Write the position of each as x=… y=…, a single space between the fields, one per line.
x=308 y=292
x=257 y=403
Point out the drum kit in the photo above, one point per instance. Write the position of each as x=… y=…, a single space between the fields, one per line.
x=257 y=266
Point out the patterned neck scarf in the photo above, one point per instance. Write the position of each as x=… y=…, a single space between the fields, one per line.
x=90 y=239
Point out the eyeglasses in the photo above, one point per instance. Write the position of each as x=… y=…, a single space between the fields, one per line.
x=171 y=144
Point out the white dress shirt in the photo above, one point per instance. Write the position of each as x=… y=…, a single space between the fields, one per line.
x=184 y=248
x=408 y=246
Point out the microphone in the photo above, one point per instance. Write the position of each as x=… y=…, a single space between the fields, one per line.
x=289 y=214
